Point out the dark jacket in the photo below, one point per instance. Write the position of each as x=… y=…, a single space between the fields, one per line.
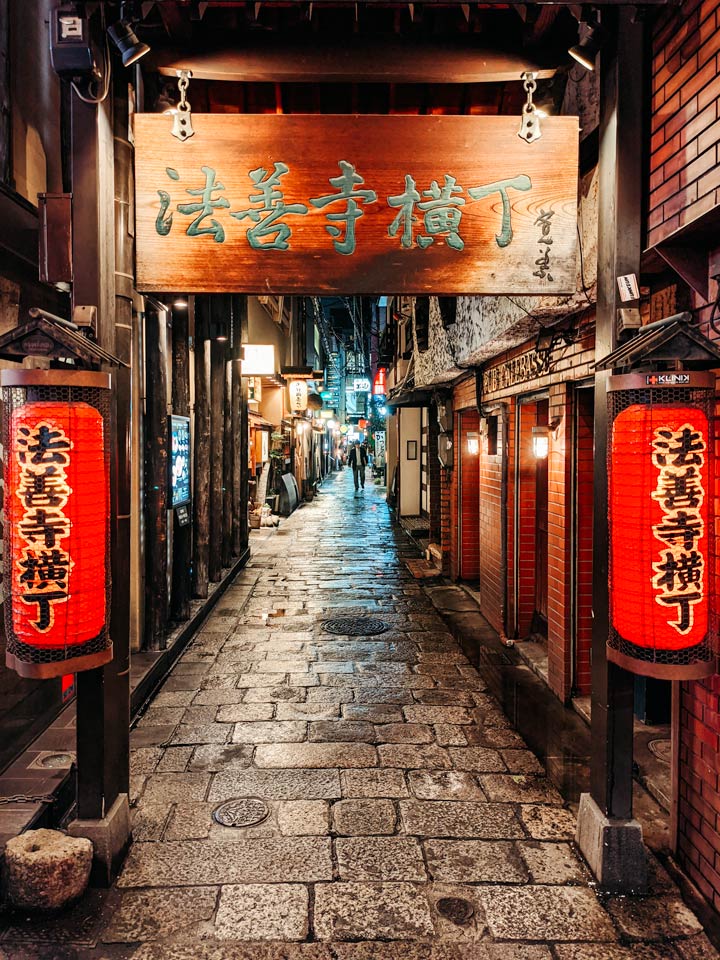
x=358 y=457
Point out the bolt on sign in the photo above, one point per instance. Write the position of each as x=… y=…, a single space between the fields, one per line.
x=368 y=204
x=57 y=508
x=660 y=469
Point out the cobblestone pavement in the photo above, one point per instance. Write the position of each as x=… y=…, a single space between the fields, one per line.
x=405 y=817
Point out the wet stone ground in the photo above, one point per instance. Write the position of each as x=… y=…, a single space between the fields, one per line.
x=404 y=818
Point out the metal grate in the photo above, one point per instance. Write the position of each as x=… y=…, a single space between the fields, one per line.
x=356 y=626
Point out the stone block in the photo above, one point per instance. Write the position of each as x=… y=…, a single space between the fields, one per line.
x=46 y=869
x=613 y=849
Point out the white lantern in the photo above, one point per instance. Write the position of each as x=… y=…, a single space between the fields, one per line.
x=298 y=394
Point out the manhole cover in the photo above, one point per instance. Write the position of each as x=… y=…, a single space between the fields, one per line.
x=56 y=761
x=662 y=749
x=356 y=626
x=455 y=909
x=245 y=812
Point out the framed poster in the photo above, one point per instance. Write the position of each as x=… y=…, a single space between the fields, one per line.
x=412 y=450
x=179 y=461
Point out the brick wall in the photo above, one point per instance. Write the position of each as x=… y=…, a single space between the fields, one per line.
x=469 y=499
x=492 y=574
x=526 y=519
x=584 y=539
x=685 y=126
x=463 y=399
x=699 y=801
x=560 y=555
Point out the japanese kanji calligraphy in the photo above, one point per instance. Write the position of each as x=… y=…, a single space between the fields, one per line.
x=56 y=535
x=660 y=527
x=409 y=204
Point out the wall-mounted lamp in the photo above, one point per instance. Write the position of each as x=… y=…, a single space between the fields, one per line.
x=180 y=303
x=587 y=49
x=473 y=443
x=541 y=441
x=125 y=39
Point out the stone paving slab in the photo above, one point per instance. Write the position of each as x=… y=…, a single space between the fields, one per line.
x=407 y=820
x=362 y=911
x=196 y=863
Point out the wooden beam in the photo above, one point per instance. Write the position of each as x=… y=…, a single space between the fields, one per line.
x=156 y=481
x=217 y=433
x=239 y=415
x=201 y=457
x=228 y=445
x=357 y=60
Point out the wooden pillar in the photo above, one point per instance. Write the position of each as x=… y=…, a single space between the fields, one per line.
x=239 y=428
x=610 y=840
x=182 y=535
x=156 y=481
x=229 y=443
x=217 y=437
x=201 y=457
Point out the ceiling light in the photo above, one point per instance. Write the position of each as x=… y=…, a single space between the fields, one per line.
x=587 y=49
x=125 y=39
x=180 y=303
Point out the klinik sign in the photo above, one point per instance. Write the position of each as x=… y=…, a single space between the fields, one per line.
x=362 y=204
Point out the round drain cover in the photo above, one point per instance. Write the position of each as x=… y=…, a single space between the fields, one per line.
x=243 y=812
x=356 y=626
x=455 y=909
x=56 y=761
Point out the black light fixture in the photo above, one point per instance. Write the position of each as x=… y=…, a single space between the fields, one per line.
x=586 y=50
x=125 y=39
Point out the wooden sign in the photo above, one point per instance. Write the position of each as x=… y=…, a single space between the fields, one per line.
x=356 y=204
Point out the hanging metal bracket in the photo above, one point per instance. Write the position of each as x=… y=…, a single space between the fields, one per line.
x=530 y=120
x=182 y=121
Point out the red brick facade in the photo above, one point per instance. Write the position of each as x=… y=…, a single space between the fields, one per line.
x=685 y=185
x=685 y=126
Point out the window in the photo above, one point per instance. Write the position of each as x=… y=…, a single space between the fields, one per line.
x=492 y=436
x=448 y=310
x=422 y=322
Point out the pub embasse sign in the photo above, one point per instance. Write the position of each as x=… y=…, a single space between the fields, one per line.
x=361 y=204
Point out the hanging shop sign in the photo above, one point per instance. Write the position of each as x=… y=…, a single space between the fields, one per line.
x=251 y=202
x=298 y=394
x=258 y=360
x=57 y=505
x=661 y=523
x=379 y=383
x=361 y=385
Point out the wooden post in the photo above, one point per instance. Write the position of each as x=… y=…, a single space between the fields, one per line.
x=201 y=458
x=217 y=436
x=607 y=835
x=229 y=442
x=182 y=536
x=239 y=428
x=156 y=481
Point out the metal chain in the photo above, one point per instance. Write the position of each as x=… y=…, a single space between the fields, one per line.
x=183 y=84
x=530 y=87
x=530 y=119
x=28 y=798
x=182 y=127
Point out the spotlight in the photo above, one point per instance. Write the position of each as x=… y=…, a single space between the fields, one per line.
x=587 y=49
x=125 y=39
x=180 y=303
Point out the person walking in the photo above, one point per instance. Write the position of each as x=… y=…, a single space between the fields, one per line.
x=358 y=461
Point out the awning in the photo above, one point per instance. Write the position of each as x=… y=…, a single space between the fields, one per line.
x=260 y=423
x=669 y=340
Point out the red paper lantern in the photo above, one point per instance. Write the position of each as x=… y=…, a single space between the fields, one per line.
x=57 y=503
x=660 y=499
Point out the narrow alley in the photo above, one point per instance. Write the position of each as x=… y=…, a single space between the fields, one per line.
x=398 y=815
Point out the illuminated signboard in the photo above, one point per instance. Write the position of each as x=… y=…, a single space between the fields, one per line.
x=180 y=491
